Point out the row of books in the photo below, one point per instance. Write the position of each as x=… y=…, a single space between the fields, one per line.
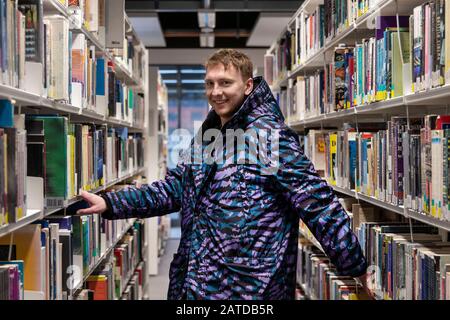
x=278 y=62
x=13 y=177
x=95 y=86
x=10 y=281
x=88 y=13
x=135 y=288
x=402 y=163
x=406 y=261
x=54 y=255
x=94 y=15
x=105 y=21
x=407 y=54
x=101 y=287
x=57 y=159
x=40 y=54
x=122 y=273
x=319 y=278
x=91 y=78
x=367 y=72
x=310 y=31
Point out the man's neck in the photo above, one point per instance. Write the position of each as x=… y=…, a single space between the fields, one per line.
x=224 y=120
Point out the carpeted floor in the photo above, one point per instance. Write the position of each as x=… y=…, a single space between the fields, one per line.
x=160 y=283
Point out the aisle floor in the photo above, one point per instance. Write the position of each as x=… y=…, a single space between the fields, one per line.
x=159 y=284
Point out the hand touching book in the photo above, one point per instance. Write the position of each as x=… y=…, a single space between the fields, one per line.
x=97 y=204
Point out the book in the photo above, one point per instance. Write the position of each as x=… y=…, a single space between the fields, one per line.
x=58 y=32
x=393 y=162
x=27 y=242
x=55 y=137
x=6 y=114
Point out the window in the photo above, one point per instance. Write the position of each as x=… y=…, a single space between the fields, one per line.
x=187 y=103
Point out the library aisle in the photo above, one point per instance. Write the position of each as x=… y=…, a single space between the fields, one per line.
x=101 y=101
x=160 y=282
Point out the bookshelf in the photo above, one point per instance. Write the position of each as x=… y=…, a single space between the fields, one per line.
x=163 y=136
x=30 y=96
x=430 y=100
x=35 y=215
x=36 y=103
x=108 y=251
x=401 y=210
x=313 y=69
x=158 y=138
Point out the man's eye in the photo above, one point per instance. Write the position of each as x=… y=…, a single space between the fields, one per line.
x=226 y=83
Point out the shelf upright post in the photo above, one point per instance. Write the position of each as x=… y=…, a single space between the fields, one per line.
x=11 y=241
x=356 y=176
x=324 y=68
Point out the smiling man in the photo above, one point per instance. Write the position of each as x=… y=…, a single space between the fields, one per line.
x=228 y=85
x=239 y=226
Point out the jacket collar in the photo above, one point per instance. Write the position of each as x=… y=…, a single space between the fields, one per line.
x=259 y=103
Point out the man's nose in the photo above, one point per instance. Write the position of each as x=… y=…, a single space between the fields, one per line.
x=217 y=90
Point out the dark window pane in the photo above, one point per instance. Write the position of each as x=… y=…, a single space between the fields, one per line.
x=187 y=102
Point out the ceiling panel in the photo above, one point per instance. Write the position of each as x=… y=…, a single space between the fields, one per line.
x=237 y=26
x=149 y=30
x=268 y=27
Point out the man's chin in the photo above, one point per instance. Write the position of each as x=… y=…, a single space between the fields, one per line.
x=221 y=112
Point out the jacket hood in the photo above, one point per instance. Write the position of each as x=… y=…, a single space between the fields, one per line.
x=260 y=102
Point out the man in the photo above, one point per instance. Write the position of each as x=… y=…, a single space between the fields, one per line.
x=239 y=221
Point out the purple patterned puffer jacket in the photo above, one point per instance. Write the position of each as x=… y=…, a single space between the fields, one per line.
x=239 y=221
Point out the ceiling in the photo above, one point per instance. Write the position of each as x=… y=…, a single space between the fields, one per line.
x=232 y=24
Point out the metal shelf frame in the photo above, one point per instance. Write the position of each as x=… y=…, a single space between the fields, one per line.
x=401 y=210
x=35 y=215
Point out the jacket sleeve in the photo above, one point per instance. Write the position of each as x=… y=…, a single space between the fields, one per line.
x=156 y=199
x=317 y=205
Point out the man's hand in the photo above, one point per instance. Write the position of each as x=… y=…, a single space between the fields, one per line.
x=364 y=279
x=97 y=204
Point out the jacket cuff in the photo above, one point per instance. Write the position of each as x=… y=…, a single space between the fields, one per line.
x=109 y=213
x=356 y=271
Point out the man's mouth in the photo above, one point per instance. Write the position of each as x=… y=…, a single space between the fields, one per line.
x=220 y=102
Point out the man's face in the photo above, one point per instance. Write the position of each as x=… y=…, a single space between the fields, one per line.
x=226 y=90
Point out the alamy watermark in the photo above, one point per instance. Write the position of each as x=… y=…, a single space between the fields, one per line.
x=231 y=146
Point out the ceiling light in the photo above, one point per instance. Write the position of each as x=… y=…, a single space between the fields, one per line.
x=207 y=39
x=206 y=19
x=207 y=30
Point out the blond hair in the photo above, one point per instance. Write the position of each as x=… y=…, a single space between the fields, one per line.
x=232 y=57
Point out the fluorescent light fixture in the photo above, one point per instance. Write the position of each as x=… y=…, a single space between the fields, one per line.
x=207 y=40
x=193 y=71
x=203 y=40
x=194 y=91
x=207 y=30
x=211 y=40
x=193 y=81
x=167 y=71
x=206 y=19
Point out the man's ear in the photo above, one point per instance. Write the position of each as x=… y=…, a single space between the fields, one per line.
x=249 y=86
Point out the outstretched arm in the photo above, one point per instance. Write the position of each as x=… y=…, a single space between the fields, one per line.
x=156 y=199
x=317 y=205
